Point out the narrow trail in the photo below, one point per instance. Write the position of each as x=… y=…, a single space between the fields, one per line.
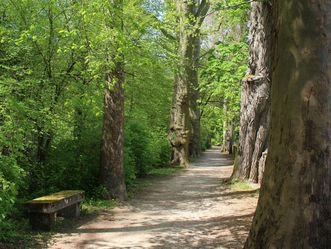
x=192 y=209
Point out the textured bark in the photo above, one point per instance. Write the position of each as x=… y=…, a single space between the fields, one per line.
x=294 y=209
x=255 y=96
x=191 y=16
x=112 y=169
x=179 y=126
x=227 y=138
x=195 y=136
x=227 y=131
x=262 y=163
x=112 y=158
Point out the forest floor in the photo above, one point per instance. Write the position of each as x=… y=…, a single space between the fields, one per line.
x=195 y=208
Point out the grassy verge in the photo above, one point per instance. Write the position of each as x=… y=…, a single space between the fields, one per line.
x=91 y=206
x=242 y=185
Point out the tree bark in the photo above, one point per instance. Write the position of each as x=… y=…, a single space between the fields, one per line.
x=112 y=156
x=112 y=168
x=195 y=136
x=227 y=131
x=294 y=209
x=191 y=15
x=180 y=115
x=255 y=96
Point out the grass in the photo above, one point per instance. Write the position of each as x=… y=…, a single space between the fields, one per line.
x=26 y=239
x=242 y=185
x=94 y=205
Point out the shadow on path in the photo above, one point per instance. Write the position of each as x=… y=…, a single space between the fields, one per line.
x=192 y=209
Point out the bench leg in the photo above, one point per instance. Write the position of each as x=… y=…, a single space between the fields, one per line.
x=43 y=222
x=72 y=211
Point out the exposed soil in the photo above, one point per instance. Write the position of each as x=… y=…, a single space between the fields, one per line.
x=192 y=209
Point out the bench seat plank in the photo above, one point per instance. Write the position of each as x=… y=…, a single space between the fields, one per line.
x=54 y=202
x=56 y=196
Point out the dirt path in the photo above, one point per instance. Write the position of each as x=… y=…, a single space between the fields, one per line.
x=192 y=209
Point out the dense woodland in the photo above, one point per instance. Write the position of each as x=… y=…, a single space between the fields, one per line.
x=96 y=94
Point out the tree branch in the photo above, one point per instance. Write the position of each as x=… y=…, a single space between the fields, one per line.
x=201 y=13
x=201 y=8
x=235 y=6
x=163 y=30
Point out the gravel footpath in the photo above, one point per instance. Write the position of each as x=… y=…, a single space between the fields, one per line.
x=192 y=209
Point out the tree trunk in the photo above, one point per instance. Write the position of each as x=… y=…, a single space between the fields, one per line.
x=294 y=209
x=179 y=126
x=195 y=136
x=112 y=174
x=180 y=115
x=255 y=96
x=227 y=131
x=262 y=165
x=227 y=138
x=112 y=168
x=191 y=15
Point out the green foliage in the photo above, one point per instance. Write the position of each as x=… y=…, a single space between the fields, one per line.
x=12 y=134
x=143 y=151
x=137 y=141
x=159 y=148
x=8 y=194
x=221 y=78
x=242 y=185
x=129 y=167
x=92 y=205
x=205 y=138
x=54 y=56
x=224 y=67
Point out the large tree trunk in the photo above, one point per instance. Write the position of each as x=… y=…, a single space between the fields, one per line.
x=195 y=136
x=112 y=169
x=294 y=209
x=180 y=118
x=191 y=15
x=112 y=156
x=255 y=96
x=179 y=125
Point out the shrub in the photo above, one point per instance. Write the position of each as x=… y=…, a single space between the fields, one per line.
x=159 y=148
x=143 y=150
x=136 y=143
x=10 y=180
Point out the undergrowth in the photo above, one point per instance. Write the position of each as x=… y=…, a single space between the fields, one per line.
x=242 y=185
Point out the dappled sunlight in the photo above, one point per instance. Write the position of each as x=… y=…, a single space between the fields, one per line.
x=193 y=209
x=212 y=158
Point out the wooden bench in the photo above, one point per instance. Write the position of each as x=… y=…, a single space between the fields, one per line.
x=44 y=210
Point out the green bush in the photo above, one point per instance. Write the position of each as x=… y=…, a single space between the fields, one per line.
x=205 y=139
x=12 y=143
x=129 y=167
x=136 y=141
x=10 y=180
x=159 y=148
x=143 y=150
